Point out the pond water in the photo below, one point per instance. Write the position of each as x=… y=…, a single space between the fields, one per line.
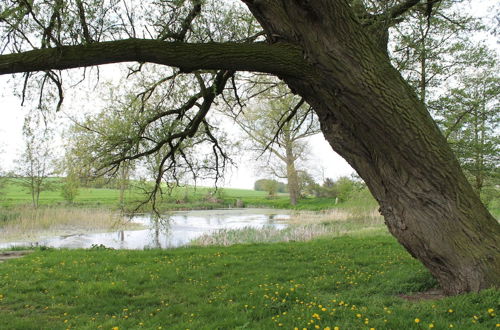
x=176 y=229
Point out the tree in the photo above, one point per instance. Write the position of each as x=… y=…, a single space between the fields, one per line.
x=3 y=179
x=261 y=184
x=331 y=53
x=37 y=160
x=271 y=186
x=429 y=49
x=469 y=114
x=69 y=187
x=269 y=115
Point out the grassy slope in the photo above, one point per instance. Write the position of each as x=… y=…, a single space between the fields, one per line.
x=14 y=194
x=349 y=282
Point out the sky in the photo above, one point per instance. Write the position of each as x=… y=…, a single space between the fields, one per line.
x=326 y=162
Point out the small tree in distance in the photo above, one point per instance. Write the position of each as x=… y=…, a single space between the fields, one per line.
x=36 y=163
x=69 y=188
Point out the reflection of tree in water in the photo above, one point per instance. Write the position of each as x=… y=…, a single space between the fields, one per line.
x=161 y=224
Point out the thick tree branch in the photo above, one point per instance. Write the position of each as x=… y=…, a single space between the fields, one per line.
x=281 y=59
x=401 y=8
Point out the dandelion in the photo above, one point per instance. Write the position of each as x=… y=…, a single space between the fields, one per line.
x=490 y=310
x=431 y=325
x=450 y=310
x=417 y=320
x=115 y=328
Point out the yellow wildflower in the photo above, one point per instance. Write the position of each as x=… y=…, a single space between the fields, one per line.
x=417 y=320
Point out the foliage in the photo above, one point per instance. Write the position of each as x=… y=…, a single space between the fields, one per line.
x=429 y=48
x=264 y=184
x=457 y=77
x=276 y=125
x=36 y=163
x=351 y=282
x=69 y=188
x=342 y=189
x=469 y=115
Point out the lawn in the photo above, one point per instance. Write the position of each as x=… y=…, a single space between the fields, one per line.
x=349 y=282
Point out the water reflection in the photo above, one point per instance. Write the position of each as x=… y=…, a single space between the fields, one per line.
x=174 y=230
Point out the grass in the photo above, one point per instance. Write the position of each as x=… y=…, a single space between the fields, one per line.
x=347 y=282
x=182 y=198
x=303 y=226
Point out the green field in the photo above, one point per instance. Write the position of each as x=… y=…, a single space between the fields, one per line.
x=349 y=282
x=181 y=198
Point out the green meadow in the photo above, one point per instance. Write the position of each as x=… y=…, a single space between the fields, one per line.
x=180 y=198
x=348 y=282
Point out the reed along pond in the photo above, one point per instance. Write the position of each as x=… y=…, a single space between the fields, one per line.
x=171 y=230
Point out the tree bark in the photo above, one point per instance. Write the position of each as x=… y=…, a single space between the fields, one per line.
x=371 y=117
x=281 y=59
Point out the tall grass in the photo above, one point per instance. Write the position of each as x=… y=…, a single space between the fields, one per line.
x=29 y=223
x=303 y=226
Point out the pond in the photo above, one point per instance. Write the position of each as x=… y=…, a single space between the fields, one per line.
x=176 y=229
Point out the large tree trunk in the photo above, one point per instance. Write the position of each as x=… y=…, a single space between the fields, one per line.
x=371 y=117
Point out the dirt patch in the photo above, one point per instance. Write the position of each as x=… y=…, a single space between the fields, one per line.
x=432 y=294
x=7 y=255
